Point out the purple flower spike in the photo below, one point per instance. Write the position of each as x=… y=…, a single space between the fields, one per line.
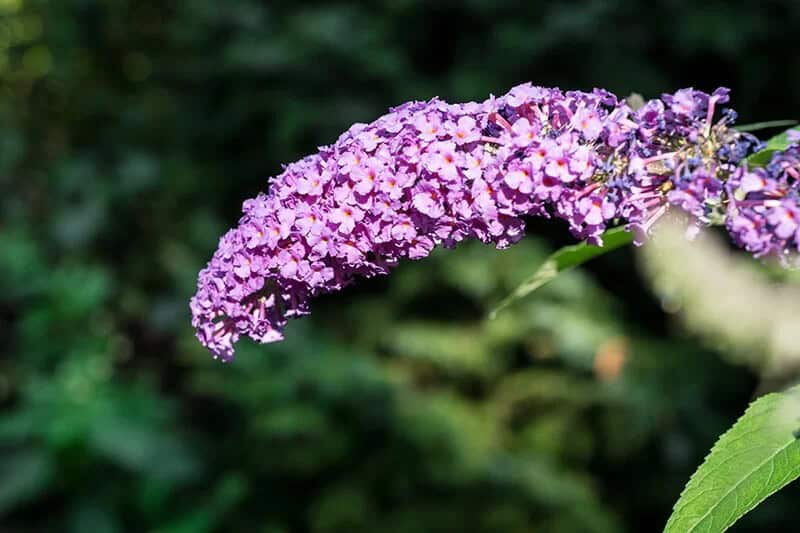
x=432 y=173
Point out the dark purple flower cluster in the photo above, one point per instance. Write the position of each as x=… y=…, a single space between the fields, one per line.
x=764 y=205
x=682 y=159
x=432 y=173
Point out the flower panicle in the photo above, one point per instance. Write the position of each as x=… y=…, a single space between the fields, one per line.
x=432 y=173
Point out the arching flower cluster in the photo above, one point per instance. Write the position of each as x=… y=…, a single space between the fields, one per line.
x=764 y=205
x=432 y=173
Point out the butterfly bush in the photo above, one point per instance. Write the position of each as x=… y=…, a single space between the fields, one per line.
x=432 y=173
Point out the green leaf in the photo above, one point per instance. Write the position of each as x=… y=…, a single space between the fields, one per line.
x=779 y=142
x=565 y=259
x=755 y=458
x=756 y=126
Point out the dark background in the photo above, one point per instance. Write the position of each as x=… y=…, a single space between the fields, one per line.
x=130 y=133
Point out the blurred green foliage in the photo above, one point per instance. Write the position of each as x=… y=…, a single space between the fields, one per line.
x=130 y=133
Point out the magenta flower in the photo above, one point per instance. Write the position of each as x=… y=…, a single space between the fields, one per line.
x=365 y=175
x=558 y=168
x=428 y=202
x=428 y=126
x=445 y=160
x=404 y=230
x=346 y=217
x=520 y=179
x=595 y=210
x=523 y=132
x=464 y=131
x=588 y=122
x=311 y=184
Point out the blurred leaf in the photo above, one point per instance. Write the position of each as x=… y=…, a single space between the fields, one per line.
x=24 y=475
x=543 y=388
x=143 y=448
x=228 y=492
x=93 y=516
x=342 y=508
x=553 y=485
x=22 y=269
x=756 y=457
x=198 y=521
x=456 y=349
x=565 y=259
x=458 y=440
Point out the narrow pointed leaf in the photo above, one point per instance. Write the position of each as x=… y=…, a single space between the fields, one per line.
x=756 y=457
x=757 y=126
x=565 y=259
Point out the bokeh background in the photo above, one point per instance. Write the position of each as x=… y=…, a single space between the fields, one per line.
x=130 y=133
